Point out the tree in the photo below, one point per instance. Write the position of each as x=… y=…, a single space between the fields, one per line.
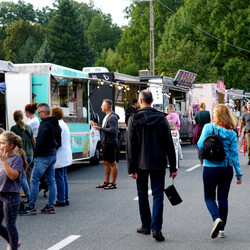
x=134 y=47
x=10 y=12
x=17 y=36
x=102 y=34
x=208 y=57
x=44 y=54
x=67 y=38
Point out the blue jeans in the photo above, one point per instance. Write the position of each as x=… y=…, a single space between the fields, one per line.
x=43 y=165
x=62 y=184
x=157 y=178
x=24 y=182
x=217 y=181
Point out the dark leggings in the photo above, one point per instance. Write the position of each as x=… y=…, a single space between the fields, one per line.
x=9 y=206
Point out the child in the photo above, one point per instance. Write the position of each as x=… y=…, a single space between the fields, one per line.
x=11 y=166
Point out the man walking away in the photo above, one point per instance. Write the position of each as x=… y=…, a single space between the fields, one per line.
x=246 y=122
x=149 y=143
x=47 y=142
x=109 y=140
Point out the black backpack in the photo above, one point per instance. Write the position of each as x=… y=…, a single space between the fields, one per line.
x=213 y=148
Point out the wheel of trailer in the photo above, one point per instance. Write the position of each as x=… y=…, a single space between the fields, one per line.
x=95 y=160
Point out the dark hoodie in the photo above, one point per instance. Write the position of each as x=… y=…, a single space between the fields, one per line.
x=109 y=131
x=149 y=141
x=129 y=112
x=49 y=137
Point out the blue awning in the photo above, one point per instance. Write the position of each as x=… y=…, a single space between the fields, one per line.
x=2 y=86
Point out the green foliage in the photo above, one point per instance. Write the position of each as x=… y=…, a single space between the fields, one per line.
x=134 y=47
x=102 y=34
x=17 y=35
x=109 y=59
x=44 y=54
x=66 y=37
x=184 y=46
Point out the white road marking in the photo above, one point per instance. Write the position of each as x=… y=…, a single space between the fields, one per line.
x=64 y=243
x=149 y=193
x=194 y=167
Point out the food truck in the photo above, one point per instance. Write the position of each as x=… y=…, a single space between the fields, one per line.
x=57 y=86
x=177 y=91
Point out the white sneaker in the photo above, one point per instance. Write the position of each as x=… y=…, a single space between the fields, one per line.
x=181 y=157
x=217 y=226
x=221 y=234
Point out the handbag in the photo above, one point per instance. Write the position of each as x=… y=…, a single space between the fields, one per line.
x=173 y=195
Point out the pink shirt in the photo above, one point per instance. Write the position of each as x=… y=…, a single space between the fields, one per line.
x=174 y=117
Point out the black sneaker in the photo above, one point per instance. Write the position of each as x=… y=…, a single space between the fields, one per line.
x=143 y=230
x=66 y=203
x=158 y=235
x=248 y=162
x=48 y=210
x=28 y=211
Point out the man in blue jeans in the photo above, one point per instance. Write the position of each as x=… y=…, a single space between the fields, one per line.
x=149 y=144
x=47 y=142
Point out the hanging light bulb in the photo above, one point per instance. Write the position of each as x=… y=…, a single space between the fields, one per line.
x=102 y=82
x=128 y=88
x=119 y=87
x=110 y=85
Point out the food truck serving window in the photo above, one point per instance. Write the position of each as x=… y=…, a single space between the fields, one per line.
x=71 y=95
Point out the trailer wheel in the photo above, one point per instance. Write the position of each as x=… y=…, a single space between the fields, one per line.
x=95 y=160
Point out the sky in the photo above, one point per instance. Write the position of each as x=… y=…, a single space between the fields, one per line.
x=113 y=7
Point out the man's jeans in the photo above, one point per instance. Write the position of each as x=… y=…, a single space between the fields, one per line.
x=62 y=184
x=217 y=180
x=43 y=165
x=157 y=178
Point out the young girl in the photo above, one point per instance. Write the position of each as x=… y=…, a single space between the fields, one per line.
x=218 y=175
x=11 y=166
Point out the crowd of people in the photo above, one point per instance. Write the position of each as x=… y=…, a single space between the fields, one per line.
x=36 y=149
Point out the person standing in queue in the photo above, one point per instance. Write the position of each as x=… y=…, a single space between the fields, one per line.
x=109 y=140
x=63 y=160
x=33 y=122
x=47 y=142
x=28 y=140
x=131 y=110
x=218 y=175
x=149 y=143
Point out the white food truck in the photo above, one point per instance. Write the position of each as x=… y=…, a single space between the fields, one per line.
x=57 y=86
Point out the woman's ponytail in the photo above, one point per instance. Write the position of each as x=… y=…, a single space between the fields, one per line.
x=21 y=152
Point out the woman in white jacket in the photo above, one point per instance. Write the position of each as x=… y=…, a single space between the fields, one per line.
x=63 y=160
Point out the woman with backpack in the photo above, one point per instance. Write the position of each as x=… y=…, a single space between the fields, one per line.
x=218 y=173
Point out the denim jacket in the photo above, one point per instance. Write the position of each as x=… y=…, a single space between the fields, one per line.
x=229 y=139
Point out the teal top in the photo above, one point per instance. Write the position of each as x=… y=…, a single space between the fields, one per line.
x=229 y=139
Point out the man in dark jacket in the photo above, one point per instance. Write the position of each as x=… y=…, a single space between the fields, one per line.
x=47 y=142
x=131 y=110
x=109 y=140
x=149 y=143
